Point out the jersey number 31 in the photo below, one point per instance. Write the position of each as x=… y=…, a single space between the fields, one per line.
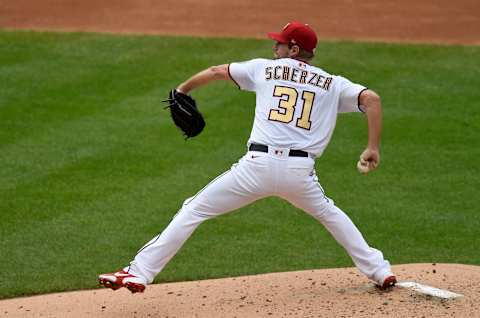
x=287 y=106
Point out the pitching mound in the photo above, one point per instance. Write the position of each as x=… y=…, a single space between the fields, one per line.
x=315 y=293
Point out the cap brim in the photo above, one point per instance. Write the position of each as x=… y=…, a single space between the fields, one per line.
x=277 y=37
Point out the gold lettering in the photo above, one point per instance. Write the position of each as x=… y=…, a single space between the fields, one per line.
x=294 y=75
x=268 y=73
x=286 y=73
x=276 y=73
x=303 y=77
x=326 y=85
x=319 y=80
x=312 y=79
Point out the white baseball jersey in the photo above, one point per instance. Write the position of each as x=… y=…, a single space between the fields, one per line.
x=296 y=103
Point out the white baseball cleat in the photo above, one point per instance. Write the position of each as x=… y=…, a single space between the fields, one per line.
x=121 y=279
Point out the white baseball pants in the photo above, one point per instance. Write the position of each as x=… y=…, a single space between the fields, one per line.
x=258 y=175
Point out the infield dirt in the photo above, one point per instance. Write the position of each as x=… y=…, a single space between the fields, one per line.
x=312 y=293
x=342 y=292
x=439 y=21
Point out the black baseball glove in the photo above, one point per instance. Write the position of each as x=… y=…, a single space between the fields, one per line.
x=185 y=114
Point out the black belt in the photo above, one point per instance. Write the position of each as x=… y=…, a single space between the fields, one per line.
x=264 y=148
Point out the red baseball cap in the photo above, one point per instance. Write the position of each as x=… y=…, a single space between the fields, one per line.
x=296 y=33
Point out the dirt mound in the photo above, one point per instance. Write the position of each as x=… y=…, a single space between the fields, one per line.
x=340 y=292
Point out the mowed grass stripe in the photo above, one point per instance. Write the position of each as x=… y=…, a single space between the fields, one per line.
x=70 y=140
x=93 y=167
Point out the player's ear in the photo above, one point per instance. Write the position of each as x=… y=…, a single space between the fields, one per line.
x=294 y=50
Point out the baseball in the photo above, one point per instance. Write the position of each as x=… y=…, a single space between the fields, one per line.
x=362 y=166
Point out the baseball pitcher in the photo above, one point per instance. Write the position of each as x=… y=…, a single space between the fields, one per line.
x=295 y=114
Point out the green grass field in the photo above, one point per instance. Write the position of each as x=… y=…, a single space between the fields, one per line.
x=92 y=166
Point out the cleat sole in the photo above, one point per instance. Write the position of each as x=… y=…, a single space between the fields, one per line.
x=135 y=288
x=108 y=284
